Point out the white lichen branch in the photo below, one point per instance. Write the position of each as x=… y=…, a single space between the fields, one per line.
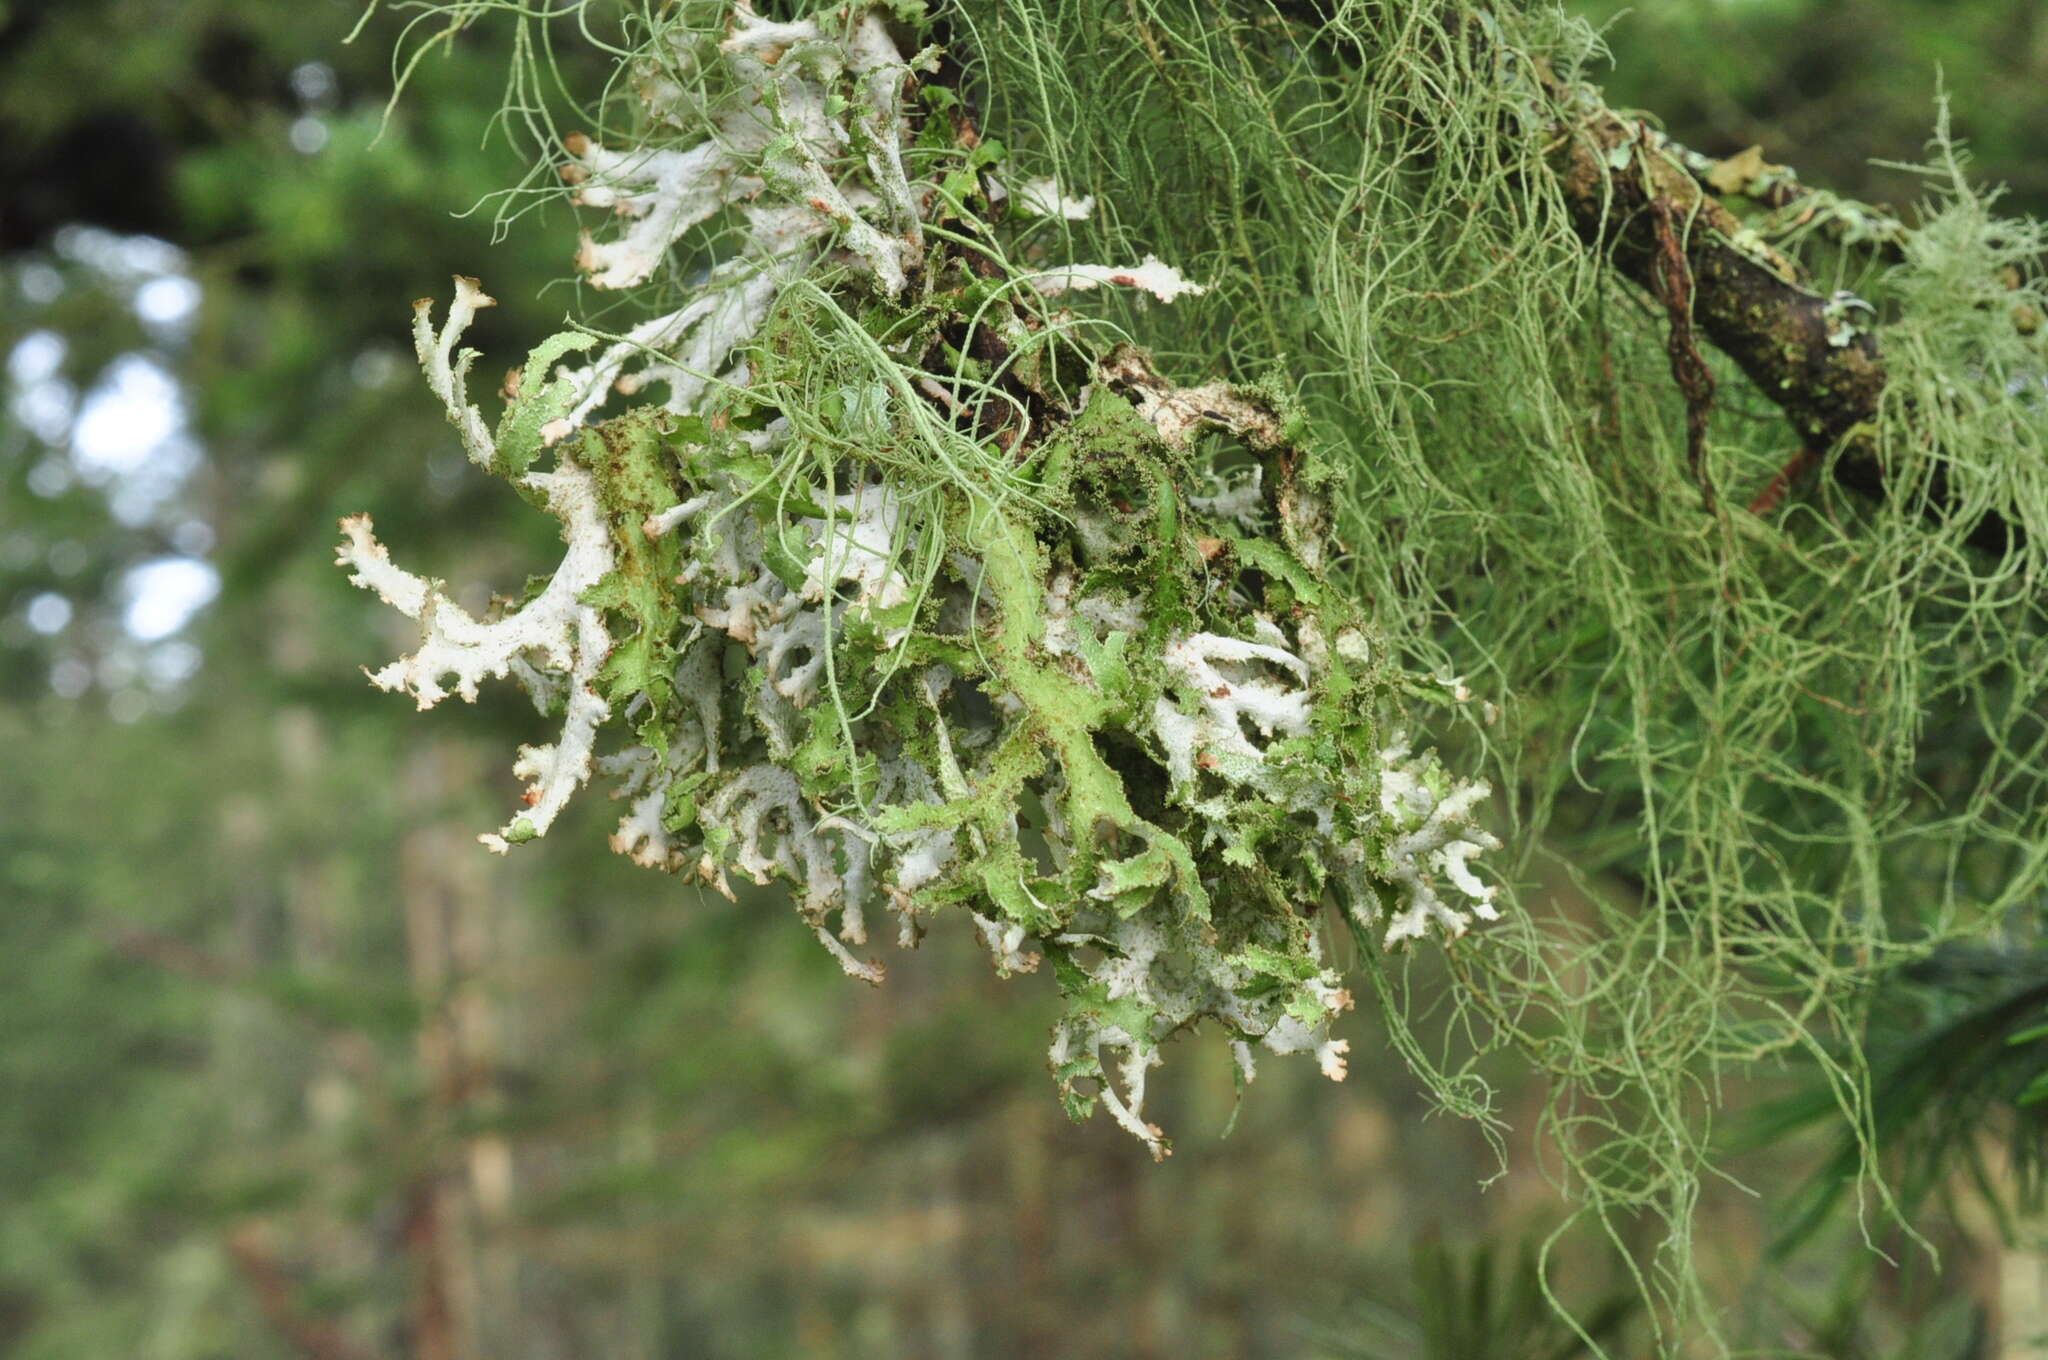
x=1432 y=836
x=1153 y=276
x=448 y=372
x=555 y=627
x=554 y=640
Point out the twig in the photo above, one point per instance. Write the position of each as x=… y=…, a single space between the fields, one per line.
x=1798 y=465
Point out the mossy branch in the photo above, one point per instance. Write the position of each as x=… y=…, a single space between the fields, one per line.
x=1813 y=356
x=1806 y=352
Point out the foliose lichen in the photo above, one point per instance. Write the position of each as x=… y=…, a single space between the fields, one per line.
x=920 y=599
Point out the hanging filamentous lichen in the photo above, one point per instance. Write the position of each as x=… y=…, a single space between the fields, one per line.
x=920 y=596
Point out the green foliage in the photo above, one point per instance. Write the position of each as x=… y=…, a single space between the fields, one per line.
x=1956 y=1074
x=1485 y=1300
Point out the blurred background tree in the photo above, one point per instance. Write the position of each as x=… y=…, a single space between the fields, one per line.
x=287 y=1068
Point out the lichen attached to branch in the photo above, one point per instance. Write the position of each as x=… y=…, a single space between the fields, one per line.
x=934 y=603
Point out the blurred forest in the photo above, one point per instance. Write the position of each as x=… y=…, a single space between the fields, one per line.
x=290 y=1067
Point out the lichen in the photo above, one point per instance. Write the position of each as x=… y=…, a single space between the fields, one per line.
x=933 y=603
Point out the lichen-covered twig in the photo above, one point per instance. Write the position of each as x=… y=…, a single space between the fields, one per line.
x=1817 y=357
x=1820 y=367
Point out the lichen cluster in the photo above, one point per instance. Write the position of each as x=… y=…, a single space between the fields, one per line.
x=921 y=598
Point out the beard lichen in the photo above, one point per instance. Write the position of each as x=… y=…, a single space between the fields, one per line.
x=920 y=598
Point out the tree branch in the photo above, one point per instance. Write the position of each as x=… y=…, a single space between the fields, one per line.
x=1810 y=355
x=1803 y=351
